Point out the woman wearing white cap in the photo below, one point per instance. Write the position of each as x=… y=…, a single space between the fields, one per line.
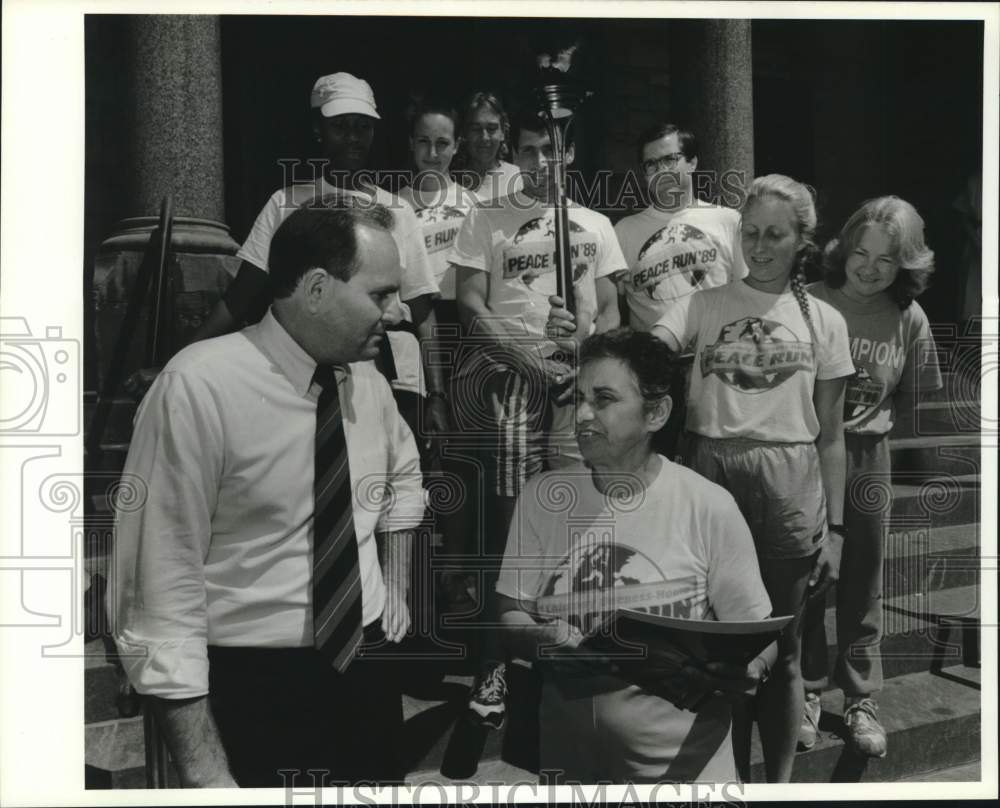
x=344 y=116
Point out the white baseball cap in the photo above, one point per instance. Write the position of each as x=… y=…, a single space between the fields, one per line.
x=343 y=94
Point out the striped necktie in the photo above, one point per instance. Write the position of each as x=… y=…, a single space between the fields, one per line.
x=336 y=588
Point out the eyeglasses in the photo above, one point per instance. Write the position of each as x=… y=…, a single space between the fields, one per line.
x=664 y=162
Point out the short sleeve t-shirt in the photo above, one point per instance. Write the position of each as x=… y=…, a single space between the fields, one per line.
x=892 y=350
x=756 y=361
x=672 y=255
x=417 y=278
x=440 y=214
x=513 y=240
x=680 y=548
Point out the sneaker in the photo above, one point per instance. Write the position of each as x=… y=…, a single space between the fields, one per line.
x=489 y=693
x=866 y=733
x=809 y=731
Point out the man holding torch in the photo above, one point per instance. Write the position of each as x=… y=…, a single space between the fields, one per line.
x=506 y=259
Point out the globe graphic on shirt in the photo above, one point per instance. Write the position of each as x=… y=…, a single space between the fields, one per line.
x=587 y=578
x=679 y=233
x=599 y=566
x=755 y=355
x=676 y=251
x=542 y=228
x=440 y=213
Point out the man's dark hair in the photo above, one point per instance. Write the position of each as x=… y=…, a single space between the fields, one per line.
x=322 y=233
x=528 y=119
x=685 y=139
x=652 y=362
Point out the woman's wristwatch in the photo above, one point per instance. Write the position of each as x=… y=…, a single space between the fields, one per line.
x=837 y=528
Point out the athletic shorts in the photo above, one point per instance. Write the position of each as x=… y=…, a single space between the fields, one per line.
x=533 y=433
x=777 y=486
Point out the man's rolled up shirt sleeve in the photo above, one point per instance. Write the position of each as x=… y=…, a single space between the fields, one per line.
x=156 y=597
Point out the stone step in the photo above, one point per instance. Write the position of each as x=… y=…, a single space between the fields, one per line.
x=932 y=721
x=934 y=501
x=929 y=457
x=922 y=632
x=918 y=558
x=942 y=417
x=116 y=745
x=966 y=773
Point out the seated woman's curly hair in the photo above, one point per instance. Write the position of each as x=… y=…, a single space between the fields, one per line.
x=652 y=362
x=906 y=230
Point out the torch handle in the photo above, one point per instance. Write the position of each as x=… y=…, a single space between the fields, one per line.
x=563 y=256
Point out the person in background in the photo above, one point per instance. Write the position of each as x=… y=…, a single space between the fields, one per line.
x=675 y=246
x=258 y=570
x=344 y=118
x=765 y=421
x=441 y=206
x=679 y=243
x=480 y=166
x=634 y=520
x=505 y=265
x=872 y=272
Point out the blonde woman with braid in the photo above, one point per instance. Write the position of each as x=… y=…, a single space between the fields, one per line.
x=764 y=420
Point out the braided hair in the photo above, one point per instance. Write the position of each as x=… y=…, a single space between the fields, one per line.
x=802 y=200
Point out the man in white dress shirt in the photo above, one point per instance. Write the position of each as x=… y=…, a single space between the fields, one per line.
x=212 y=589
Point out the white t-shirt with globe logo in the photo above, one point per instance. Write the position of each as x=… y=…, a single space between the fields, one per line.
x=681 y=549
x=672 y=255
x=513 y=239
x=440 y=215
x=756 y=361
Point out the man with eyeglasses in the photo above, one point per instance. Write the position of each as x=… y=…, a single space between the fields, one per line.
x=679 y=244
x=676 y=246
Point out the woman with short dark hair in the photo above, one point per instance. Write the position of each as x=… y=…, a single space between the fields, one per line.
x=627 y=525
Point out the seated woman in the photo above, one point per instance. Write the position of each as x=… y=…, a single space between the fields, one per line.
x=585 y=535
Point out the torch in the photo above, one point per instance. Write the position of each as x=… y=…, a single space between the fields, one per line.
x=557 y=97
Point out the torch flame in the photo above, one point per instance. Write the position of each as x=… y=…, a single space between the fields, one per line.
x=563 y=58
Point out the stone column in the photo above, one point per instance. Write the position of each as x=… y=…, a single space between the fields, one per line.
x=172 y=116
x=712 y=91
x=175 y=114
